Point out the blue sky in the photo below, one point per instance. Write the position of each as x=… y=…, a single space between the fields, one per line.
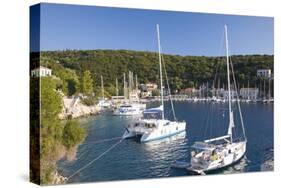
x=183 y=33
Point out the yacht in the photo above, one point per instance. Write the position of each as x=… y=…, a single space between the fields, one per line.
x=153 y=125
x=130 y=109
x=219 y=152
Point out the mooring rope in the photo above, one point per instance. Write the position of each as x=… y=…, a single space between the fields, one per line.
x=102 y=141
x=94 y=142
x=91 y=162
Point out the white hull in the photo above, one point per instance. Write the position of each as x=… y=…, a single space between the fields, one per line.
x=163 y=129
x=127 y=113
x=225 y=158
x=104 y=103
x=130 y=110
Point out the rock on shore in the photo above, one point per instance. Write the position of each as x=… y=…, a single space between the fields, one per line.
x=73 y=108
x=58 y=179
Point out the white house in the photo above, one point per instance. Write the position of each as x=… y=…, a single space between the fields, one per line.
x=41 y=72
x=151 y=86
x=146 y=89
x=249 y=93
x=264 y=73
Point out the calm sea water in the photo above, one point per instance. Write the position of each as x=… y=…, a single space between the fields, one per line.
x=133 y=160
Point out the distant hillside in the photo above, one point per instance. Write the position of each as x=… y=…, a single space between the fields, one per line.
x=183 y=71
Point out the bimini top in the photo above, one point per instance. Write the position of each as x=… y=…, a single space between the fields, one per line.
x=154 y=110
x=203 y=146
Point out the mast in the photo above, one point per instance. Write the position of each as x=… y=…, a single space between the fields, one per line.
x=124 y=88
x=160 y=65
x=218 y=90
x=269 y=94
x=207 y=89
x=264 y=95
x=129 y=83
x=248 y=91
x=137 y=87
x=231 y=123
x=102 y=89
x=117 y=90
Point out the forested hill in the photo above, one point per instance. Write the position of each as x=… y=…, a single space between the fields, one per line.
x=183 y=71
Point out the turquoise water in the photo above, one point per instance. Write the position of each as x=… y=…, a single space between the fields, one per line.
x=133 y=160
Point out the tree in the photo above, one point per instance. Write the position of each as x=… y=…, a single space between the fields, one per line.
x=176 y=83
x=87 y=83
x=190 y=84
x=72 y=86
x=72 y=134
x=50 y=128
x=112 y=63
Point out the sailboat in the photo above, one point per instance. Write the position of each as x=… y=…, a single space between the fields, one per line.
x=248 y=94
x=219 y=152
x=153 y=125
x=133 y=107
x=103 y=102
x=269 y=99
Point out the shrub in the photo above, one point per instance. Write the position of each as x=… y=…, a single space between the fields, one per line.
x=73 y=134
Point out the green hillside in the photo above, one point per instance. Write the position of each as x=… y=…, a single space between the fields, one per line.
x=183 y=71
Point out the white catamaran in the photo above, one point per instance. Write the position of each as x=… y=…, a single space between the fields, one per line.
x=216 y=153
x=153 y=125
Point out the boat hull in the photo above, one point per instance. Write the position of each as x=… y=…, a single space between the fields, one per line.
x=151 y=135
x=228 y=160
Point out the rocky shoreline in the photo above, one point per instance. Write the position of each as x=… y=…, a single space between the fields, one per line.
x=58 y=179
x=74 y=108
x=69 y=155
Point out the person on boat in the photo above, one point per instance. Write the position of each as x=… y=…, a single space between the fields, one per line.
x=214 y=156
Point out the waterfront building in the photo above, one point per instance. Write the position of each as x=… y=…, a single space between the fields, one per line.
x=264 y=73
x=151 y=86
x=147 y=89
x=249 y=93
x=233 y=94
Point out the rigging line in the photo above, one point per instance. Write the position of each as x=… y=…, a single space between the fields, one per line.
x=169 y=91
x=219 y=59
x=212 y=121
x=219 y=62
x=97 y=158
x=102 y=141
x=94 y=142
x=238 y=100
